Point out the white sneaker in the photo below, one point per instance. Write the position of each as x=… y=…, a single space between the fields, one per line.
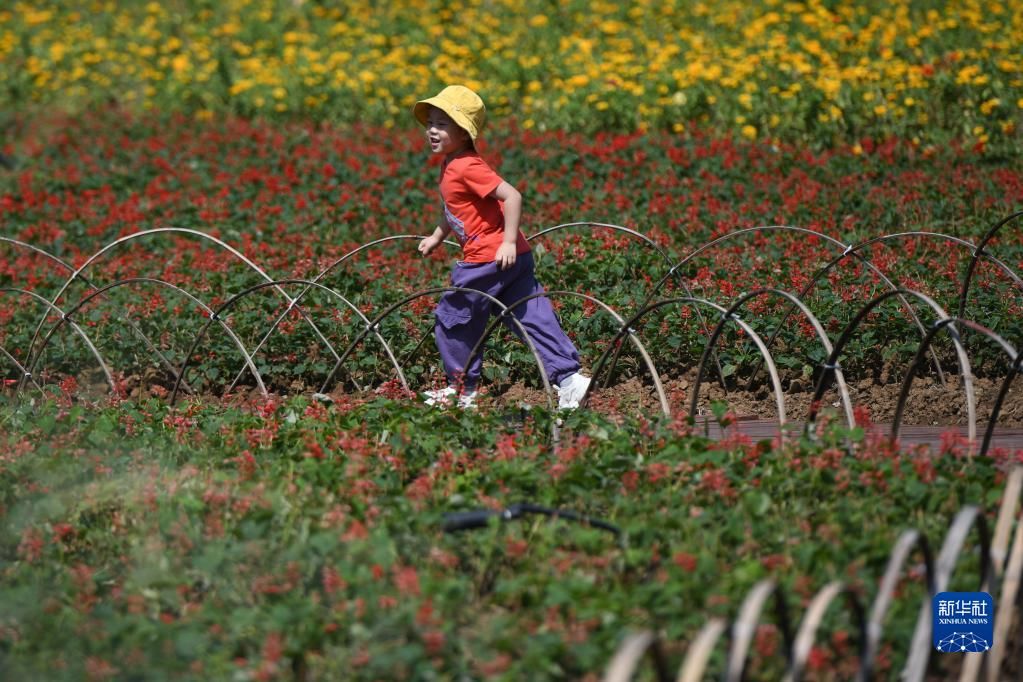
x=444 y=397
x=440 y=396
x=572 y=390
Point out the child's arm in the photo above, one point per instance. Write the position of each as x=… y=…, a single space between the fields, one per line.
x=428 y=244
x=508 y=250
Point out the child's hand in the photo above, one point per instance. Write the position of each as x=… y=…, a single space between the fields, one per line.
x=428 y=244
x=506 y=254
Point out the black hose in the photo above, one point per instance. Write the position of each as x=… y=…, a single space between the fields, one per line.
x=480 y=518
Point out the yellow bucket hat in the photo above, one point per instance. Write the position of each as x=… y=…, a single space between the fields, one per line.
x=464 y=106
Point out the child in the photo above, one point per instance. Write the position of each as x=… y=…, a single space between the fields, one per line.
x=483 y=211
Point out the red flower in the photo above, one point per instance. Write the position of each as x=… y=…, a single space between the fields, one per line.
x=407 y=580
x=685 y=561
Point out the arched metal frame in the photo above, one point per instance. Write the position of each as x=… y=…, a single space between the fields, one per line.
x=42 y=252
x=980 y=250
x=920 y=647
x=672 y=270
x=172 y=230
x=70 y=268
x=1008 y=606
x=907 y=381
x=996 y=409
x=812 y=619
x=854 y=250
x=316 y=280
x=730 y=314
x=631 y=653
x=694 y=666
x=630 y=325
x=1007 y=569
x=994 y=550
x=22 y=370
x=744 y=627
x=51 y=307
x=909 y=541
x=655 y=376
x=227 y=305
x=831 y=364
x=431 y=292
x=1011 y=498
x=847 y=250
x=159 y=282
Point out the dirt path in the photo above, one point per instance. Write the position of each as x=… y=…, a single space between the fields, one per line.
x=929 y=403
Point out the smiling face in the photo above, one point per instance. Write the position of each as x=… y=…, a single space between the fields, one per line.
x=444 y=135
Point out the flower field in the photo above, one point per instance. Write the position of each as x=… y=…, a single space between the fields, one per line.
x=812 y=71
x=176 y=502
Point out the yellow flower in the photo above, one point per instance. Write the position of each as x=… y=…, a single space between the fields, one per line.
x=749 y=132
x=990 y=105
x=57 y=51
x=538 y=20
x=180 y=63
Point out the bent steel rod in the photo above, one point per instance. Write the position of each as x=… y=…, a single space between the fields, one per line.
x=920 y=647
x=854 y=250
x=812 y=619
x=831 y=364
x=259 y=287
x=21 y=369
x=726 y=316
x=174 y=230
x=67 y=266
x=694 y=666
x=503 y=317
x=159 y=282
x=631 y=653
x=989 y=433
x=316 y=280
x=672 y=272
x=907 y=381
x=51 y=307
x=814 y=322
x=977 y=253
x=441 y=290
x=847 y=249
x=908 y=541
x=631 y=323
x=744 y=627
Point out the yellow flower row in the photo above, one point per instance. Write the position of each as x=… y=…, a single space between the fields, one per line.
x=804 y=67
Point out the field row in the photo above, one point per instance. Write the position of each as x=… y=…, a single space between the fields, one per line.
x=811 y=71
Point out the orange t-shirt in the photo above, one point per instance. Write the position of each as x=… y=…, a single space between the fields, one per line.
x=475 y=217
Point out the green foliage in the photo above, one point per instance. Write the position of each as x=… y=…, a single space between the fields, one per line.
x=285 y=536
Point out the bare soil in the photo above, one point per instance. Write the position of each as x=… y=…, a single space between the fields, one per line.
x=929 y=402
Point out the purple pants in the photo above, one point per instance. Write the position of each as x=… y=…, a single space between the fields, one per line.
x=462 y=317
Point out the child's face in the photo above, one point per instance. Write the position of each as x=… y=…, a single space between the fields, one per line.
x=443 y=134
